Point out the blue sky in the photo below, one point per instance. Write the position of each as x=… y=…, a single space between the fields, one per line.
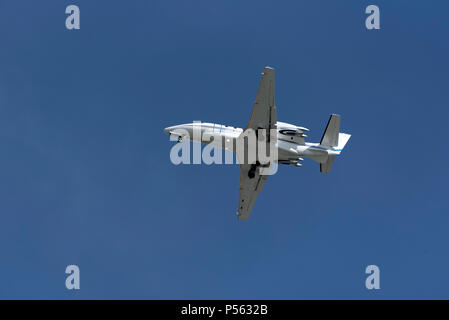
x=86 y=178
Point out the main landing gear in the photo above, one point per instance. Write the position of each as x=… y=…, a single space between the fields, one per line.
x=254 y=166
x=252 y=171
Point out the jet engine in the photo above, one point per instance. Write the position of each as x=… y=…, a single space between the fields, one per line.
x=291 y=133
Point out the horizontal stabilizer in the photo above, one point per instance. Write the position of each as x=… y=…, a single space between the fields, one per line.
x=327 y=166
x=343 y=138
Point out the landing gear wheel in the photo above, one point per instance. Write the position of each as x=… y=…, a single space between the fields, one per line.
x=252 y=170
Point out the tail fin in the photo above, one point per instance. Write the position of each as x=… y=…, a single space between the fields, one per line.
x=333 y=139
x=330 y=135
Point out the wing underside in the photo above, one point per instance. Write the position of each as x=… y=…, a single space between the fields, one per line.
x=249 y=189
x=263 y=116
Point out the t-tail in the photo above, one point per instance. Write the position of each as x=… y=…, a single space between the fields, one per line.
x=334 y=141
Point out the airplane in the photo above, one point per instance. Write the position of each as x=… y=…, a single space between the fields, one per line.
x=289 y=139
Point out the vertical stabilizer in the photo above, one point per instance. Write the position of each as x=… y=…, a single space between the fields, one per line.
x=330 y=135
x=333 y=141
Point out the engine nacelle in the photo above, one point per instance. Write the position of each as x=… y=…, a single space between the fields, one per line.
x=292 y=133
x=287 y=126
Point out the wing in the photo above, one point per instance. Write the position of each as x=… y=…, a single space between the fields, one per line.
x=249 y=189
x=264 y=111
x=263 y=116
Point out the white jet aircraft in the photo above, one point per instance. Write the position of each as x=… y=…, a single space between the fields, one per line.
x=290 y=143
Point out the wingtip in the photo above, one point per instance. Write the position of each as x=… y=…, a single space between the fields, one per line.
x=241 y=217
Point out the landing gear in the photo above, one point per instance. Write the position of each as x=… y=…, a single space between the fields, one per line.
x=252 y=170
x=179 y=139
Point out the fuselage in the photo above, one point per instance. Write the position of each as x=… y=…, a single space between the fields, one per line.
x=290 y=140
